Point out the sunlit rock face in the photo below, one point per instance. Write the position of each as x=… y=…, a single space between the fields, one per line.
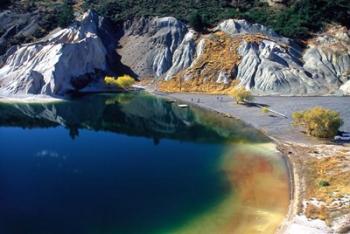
x=267 y=67
x=278 y=66
x=65 y=60
x=266 y=63
x=345 y=88
x=153 y=46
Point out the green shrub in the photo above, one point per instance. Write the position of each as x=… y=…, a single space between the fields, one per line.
x=318 y=121
x=65 y=14
x=195 y=21
x=323 y=183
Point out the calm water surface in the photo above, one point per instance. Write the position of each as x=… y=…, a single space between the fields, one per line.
x=133 y=163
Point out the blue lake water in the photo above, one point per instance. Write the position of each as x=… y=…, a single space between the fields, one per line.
x=121 y=163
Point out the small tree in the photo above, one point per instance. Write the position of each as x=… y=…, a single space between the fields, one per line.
x=241 y=95
x=195 y=20
x=65 y=14
x=124 y=81
x=318 y=121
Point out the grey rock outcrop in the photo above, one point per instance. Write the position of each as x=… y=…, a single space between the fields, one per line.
x=65 y=60
x=268 y=68
x=16 y=27
x=328 y=57
x=150 y=46
x=279 y=67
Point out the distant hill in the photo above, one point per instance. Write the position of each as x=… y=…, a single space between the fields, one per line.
x=291 y=18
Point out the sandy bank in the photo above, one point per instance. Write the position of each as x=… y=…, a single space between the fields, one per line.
x=317 y=208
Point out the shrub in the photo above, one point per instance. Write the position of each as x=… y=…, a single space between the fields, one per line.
x=124 y=81
x=265 y=110
x=241 y=95
x=65 y=15
x=323 y=183
x=196 y=21
x=318 y=121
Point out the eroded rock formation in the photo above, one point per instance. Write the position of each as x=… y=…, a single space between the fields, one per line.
x=254 y=55
x=167 y=51
x=65 y=60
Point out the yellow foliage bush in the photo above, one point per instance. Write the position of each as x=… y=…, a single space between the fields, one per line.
x=241 y=95
x=124 y=81
x=110 y=80
x=265 y=110
x=318 y=121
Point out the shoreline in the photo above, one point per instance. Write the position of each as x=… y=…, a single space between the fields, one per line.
x=295 y=148
x=295 y=220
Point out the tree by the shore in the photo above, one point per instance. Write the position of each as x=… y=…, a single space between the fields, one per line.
x=124 y=81
x=318 y=121
x=241 y=94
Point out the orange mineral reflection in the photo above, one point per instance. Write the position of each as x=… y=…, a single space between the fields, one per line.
x=259 y=199
x=260 y=183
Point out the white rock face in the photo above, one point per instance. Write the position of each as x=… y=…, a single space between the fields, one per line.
x=183 y=55
x=328 y=58
x=268 y=68
x=274 y=67
x=56 y=64
x=223 y=78
x=345 y=88
x=150 y=47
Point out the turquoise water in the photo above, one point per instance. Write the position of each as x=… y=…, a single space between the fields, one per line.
x=121 y=163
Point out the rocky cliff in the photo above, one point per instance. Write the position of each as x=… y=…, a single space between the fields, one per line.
x=177 y=58
x=253 y=55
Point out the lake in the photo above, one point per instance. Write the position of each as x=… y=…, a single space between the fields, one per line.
x=135 y=163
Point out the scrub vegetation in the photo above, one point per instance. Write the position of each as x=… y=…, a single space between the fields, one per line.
x=241 y=95
x=124 y=81
x=265 y=110
x=318 y=121
x=296 y=18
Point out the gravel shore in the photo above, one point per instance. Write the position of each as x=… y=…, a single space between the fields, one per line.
x=272 y=124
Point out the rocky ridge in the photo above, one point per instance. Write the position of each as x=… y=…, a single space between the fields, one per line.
x=178 y=58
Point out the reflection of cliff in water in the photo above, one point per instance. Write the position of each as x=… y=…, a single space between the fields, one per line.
x=132 y=114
